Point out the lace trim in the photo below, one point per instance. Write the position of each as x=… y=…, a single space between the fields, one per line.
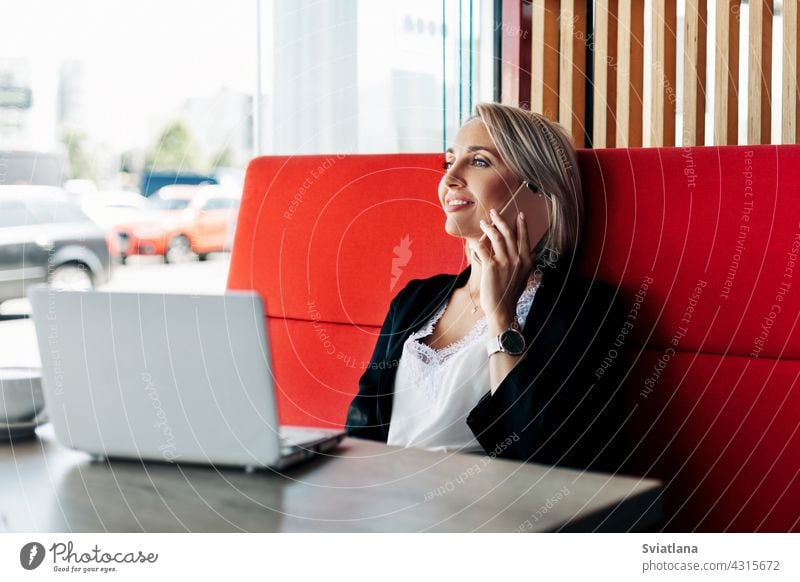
x=426 y=361
x=429 y=354
x=525 y=302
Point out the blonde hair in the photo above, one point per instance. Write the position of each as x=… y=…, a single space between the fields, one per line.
x=541 y=152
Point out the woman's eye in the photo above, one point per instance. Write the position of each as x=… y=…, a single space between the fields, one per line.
x=478 y=162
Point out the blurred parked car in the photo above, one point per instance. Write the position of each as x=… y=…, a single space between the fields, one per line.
x=152 y=182
x=181 y=222
x=45 y=237
x=109 y=209
x=79 y=188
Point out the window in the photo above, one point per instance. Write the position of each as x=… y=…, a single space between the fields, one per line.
x=113 y=99
x=158 y=203
x=15 y=213
x=191 y=92
x=221 y=204
x=359 y=76
x=56 y=211
x=131 y=96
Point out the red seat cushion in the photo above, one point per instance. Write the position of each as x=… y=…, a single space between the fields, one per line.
x=722 y=432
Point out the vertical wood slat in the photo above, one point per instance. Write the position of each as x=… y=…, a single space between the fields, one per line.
x=694 y=73
x=759 y=72
x=796 y=26
x=572 y=78
x=630 y=73
x=726 y=73
x=790 y=128
x=604 y=87
x=660 y=119
x=544 y=58
x=515 y=79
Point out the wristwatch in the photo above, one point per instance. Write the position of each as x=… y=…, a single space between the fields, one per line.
x=511 y=341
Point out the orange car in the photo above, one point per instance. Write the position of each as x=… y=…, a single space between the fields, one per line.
x=180 y=222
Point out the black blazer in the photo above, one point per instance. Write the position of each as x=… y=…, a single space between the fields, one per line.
x=559 y=403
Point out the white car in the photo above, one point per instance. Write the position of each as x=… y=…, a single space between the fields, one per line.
x=108 y=209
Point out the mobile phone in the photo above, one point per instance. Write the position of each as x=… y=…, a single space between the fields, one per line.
x=536 y=209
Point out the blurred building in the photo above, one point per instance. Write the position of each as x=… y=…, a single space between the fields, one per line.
x=313 y=88
x=71 y=94
x=222 y=121
x=17 y=112
x=364 y=76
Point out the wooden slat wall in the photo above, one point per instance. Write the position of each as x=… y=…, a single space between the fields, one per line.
x=605 y=80
x=790 y=128
x=759 y=68
x=515 y=82
x=572 y=75
x=621 y=117
x=660 y=121
x=544 y=57
x=630 y=73
x=694 y=73
x=726 y=74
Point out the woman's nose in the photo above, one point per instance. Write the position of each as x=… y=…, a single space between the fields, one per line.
x=452 y=177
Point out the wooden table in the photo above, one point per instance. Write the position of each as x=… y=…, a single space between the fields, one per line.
x=364 y=486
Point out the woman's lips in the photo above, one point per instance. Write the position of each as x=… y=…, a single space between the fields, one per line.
x=456 y=204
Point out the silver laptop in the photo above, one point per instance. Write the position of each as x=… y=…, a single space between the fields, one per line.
x=174 y=378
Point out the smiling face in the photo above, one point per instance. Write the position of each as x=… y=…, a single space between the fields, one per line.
x=476 y=180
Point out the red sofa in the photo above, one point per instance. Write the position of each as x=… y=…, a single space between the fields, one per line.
x=702 y=242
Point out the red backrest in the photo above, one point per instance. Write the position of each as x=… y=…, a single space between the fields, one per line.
x=328 y=241
x=702 y=242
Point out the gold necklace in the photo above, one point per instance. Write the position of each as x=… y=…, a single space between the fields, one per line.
x=474 y=306
x=534 y=279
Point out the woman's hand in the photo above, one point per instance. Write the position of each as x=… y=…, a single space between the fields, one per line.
x=506 y=264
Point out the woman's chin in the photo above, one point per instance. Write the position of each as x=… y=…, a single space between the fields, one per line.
x=453 y=228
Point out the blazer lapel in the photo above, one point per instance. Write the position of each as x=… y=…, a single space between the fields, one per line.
x=409 y=317
x=543 y=302
x=412 y=315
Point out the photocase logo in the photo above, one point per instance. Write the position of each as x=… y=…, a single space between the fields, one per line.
x=402 y=254
x=31 y=555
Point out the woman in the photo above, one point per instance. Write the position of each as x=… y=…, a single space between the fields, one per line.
x=510 y=357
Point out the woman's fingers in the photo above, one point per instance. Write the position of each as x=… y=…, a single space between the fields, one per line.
x=523 y=244
x=506 y=241
x=480 y=251
x=497 y=241
x=508 y=234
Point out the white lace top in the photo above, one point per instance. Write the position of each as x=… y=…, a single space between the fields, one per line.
x=435 y=390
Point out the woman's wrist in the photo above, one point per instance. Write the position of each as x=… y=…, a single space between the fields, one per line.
x=500 y=322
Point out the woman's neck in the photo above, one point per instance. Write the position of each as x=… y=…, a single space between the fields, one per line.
x=473 y=284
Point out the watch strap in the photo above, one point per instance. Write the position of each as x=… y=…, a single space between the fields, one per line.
x=494 y=345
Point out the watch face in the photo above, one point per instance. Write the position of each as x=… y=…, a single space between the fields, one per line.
x=512 y=342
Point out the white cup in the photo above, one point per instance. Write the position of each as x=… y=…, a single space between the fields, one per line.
x=21 y=395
